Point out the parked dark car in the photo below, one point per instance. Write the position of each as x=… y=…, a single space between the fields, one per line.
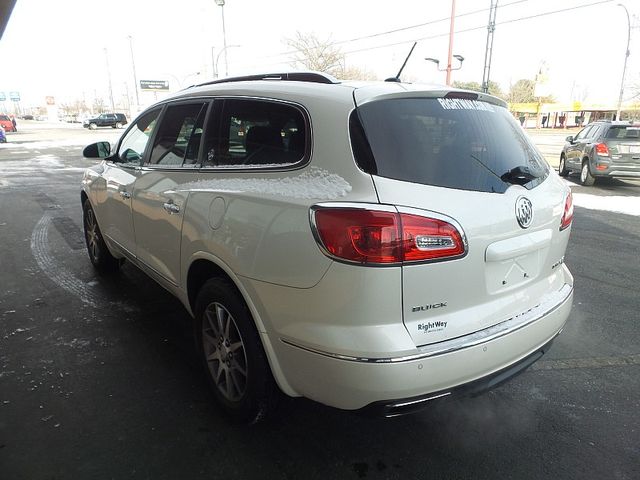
x=602 y=149
x=113 y=120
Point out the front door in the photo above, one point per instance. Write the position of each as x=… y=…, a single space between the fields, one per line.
x=120 y=175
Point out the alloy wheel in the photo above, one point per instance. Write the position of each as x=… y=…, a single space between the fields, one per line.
x=224 y=352
x=93 y=237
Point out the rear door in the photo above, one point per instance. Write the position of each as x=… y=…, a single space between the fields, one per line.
x=469 y=163
x=158 y=207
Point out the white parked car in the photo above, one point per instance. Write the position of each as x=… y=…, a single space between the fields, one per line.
x=368 y=246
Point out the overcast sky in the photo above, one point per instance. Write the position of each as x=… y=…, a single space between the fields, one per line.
x=58 y=47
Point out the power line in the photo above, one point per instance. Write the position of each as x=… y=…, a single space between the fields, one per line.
x=439 y=35
x=471 y=29
x=396 y=30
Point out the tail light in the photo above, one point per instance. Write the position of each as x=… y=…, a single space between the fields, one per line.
x=602 y=149
x=567 y=216
x=373 y=236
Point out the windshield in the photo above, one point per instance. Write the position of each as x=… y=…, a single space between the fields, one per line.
x=445 y=142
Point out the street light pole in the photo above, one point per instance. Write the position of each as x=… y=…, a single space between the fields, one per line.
x=449 y=57
x=220 y=3
x=135 y=79
x=626 y=57
x=106 y=56
x=224 y=50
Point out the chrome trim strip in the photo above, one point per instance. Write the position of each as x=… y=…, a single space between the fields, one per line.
x=422 y=400
x=547 y=306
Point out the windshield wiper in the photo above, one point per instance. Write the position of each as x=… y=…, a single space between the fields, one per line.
x=520 y=175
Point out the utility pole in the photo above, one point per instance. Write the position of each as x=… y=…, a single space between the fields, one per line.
x=135 y=79
x=106 y=57
x=450 y=56
x=626 y=57
x=491 y=27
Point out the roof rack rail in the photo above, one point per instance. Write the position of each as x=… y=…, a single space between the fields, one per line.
x=315 y=77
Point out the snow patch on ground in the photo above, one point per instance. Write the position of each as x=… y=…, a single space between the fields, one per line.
x=617 y=204
x=315 y=183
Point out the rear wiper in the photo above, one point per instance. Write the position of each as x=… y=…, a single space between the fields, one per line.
x=520 y=175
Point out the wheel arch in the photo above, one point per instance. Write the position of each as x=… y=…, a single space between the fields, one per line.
x=204 y=266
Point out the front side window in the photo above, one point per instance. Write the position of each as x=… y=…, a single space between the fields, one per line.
x=133 y=145
x=256 y=133
x=178 y=139
x=584 y=133
x=446 y=142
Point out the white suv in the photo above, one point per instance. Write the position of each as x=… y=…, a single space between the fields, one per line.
x=368 y=246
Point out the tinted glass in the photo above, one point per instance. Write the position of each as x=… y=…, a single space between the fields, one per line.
x=179 y=133
x=132 y=147
x=624 y=132
x=256 y=133
x=584 y=133
x=454 y=143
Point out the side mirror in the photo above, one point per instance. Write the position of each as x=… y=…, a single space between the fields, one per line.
x=569 y=139
x=97 y=150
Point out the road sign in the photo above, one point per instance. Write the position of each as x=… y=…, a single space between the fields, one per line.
x=3 y=97
x=154 y=85
x=15 y=96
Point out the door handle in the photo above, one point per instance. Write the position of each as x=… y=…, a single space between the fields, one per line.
x=171 y=207
x=125 y=195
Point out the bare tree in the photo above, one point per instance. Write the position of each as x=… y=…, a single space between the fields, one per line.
x=313 y=53
x=523 y=91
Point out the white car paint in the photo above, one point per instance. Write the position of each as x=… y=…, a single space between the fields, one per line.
x=347 y=335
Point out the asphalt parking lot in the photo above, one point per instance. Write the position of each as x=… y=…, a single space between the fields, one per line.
x=98 y=379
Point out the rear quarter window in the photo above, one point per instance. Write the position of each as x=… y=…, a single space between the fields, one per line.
x=452 y=143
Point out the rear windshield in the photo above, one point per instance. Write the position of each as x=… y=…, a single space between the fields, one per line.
x=445 y=142
x=624 y=132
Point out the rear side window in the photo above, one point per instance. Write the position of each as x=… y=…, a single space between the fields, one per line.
x=179 y=133
x=256 y=133
x=453 y=143
x=624 y=132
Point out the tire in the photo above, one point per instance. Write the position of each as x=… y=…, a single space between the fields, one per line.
x=93 y=126
x=230 y=349
x=97 y=249
x=118 y=125
x=586 y=178
x=562 y=168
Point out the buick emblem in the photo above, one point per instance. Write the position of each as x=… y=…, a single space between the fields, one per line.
x=524 y=212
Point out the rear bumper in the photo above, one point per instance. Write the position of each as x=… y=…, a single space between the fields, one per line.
x=405 y=406
x=401 y=384
x=615 y=168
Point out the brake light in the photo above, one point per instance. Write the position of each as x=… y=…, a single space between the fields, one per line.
x=602 y=149
x=567 y=216
x=376 y=237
